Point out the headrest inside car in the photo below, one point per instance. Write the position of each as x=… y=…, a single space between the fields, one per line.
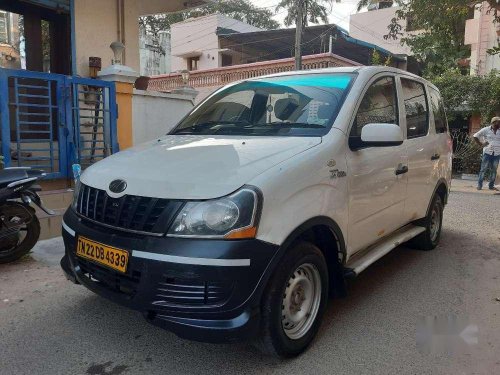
x=283 y=108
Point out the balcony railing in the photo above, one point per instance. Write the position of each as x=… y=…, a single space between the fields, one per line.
x=221 y=76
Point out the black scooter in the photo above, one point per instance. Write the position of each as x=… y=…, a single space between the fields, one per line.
x=19 y=226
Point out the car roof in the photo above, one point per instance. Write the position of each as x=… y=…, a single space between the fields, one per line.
x=368 y=70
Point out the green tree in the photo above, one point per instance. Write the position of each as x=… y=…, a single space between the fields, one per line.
x=439 y=43
x=376 y=59
x=300 y=13
x=465 y=95
x=315 y=11
x=242 y=10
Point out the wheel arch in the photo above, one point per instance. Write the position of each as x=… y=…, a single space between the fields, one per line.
x=442 y=190
x=326 y=234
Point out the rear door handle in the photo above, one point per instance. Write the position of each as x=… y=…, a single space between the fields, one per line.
x=435 y=157
x=402 y=169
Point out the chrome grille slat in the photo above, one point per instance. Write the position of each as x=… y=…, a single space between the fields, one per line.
x=95 y=203
x=103 y=214
x=88 y=200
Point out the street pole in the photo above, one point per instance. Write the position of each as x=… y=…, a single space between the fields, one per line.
x=298 y=35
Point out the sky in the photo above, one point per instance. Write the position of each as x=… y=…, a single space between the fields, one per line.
x=339 y=15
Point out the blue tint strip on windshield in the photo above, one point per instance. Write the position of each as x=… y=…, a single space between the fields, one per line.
x=316 y=80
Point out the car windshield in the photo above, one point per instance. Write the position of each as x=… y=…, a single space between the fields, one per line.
x=295 y=105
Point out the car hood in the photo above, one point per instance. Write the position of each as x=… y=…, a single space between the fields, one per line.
x=193 y=167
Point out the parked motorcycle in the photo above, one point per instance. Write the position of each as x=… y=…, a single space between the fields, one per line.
x=19 y=226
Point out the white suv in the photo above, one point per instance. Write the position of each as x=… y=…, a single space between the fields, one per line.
x=262 y=201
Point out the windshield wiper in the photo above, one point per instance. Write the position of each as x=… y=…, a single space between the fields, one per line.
x=278 y=125
x=207 y=124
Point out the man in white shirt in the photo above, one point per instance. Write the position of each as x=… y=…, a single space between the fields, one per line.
x=489 y=139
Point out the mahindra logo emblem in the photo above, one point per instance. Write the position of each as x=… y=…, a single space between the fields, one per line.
x=117 y=186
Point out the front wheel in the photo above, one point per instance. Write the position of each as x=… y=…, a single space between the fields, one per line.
x=294 y=302
x=433 y=222
x=19 y=231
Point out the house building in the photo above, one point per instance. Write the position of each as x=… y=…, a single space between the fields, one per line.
x=482 y=34
x=62 y=105
x=196 y=44
x=217 y=55
x=371 y=26
x=80 y=29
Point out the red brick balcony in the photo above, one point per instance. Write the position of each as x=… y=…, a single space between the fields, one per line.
x=221 y=76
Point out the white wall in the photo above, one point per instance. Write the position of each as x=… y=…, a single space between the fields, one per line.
x=371 y=26
x=197 y=37
x=154 y=114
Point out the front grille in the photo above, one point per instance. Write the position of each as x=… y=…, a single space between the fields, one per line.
x=121 y=283
x=129 y=212
x=175 y=291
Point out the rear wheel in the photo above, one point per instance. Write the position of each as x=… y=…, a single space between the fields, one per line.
x=433 y=222
x=294 y=302
x=19 y=231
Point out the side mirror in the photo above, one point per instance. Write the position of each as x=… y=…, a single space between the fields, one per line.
x=381 y=135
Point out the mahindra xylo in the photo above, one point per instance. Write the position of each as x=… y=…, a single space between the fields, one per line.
x=262 y=201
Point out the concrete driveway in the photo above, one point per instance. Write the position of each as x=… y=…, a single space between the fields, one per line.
x=50 y=326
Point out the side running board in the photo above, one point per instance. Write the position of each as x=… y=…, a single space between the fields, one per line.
x=361 y=260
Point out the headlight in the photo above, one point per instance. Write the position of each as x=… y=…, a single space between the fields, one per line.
x=230 y=217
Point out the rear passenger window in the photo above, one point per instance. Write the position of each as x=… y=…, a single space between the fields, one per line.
x=379 y=105
x=438 y=111
x=417 y=111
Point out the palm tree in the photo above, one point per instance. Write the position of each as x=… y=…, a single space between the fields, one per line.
x=300 y=13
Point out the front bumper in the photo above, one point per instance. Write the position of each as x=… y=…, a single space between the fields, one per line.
x=204 y=290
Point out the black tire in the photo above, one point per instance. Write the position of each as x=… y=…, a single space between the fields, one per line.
x=32 y=235
x=429 y=239
x=274 y=339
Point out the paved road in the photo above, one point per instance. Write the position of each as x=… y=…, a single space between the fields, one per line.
x=49 y=326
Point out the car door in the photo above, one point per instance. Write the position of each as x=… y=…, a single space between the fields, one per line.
x=376 y=191
x=420 y=145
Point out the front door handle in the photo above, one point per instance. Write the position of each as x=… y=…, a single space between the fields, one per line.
x=402 y=169
x=435 y=157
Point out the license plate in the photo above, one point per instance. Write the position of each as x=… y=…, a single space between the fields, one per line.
x=108 y=256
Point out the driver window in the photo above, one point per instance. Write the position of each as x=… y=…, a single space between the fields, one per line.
x=379 y=105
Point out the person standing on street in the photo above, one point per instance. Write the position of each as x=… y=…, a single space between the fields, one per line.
x=489 y=139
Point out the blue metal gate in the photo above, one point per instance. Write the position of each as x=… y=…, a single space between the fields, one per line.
x=94 y=120
x=50 y=121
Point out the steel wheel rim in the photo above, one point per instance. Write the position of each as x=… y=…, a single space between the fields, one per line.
x=301 y=300
x=435 y=223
